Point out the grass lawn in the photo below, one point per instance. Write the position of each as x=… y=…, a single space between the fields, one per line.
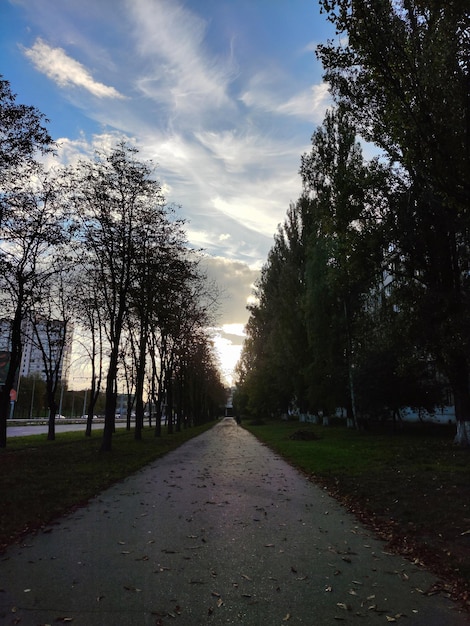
x=40 y=479
x=412 y=487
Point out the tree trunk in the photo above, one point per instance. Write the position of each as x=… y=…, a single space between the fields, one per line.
x=15 y=361
x=169 y=404
x=52 y=411
x=139 y=382
x=111 y=403
x=459 y=381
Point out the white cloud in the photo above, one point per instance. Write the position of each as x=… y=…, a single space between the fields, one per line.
x=309 y=104
x=178 y=69
x=65 y=71
x=235 y=280
x=234 y=329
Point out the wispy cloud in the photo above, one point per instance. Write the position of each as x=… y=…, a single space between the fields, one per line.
x=309 y=104
x=179 y=69
x=65 y=71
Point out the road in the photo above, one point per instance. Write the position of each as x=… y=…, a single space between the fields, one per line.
x=219 y=531
x=23 y=431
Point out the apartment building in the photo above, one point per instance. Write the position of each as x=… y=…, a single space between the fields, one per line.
x=49 y=335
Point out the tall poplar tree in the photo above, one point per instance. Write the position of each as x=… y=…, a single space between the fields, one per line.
x=404 y=74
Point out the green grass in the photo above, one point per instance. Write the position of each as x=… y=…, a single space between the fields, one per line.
x=40 y=479
x=412 y=487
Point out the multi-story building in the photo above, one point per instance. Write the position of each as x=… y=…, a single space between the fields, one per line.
x=49 y=335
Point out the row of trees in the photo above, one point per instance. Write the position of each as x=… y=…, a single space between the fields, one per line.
x=363 y=302
x=95 y=245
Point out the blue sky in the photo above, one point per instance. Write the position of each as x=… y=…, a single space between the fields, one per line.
x=223 y=95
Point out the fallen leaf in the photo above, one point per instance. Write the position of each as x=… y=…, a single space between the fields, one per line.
x=220 y=602
x=343 y=606
x=287 y=617
x=390 y=619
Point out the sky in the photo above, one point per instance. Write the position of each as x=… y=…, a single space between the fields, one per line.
x=222 y=95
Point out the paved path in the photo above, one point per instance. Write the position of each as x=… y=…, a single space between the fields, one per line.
x=220 y=531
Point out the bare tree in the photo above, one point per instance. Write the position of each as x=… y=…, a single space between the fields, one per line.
x=50 y=321
x=110 y=194
x=31 y=229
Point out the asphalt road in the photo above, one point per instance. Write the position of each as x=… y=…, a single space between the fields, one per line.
x=219 y=531
x=24 y=431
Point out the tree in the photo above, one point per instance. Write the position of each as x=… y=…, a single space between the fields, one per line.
x=305 y=331
x=90 y=314
x=110 y=195
x=160 y=261
x=342 y=217
x=22 y=135
x=404 y=76
x=49 y=321
x=272 y=365
x=31 y=230
x=183 y=309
